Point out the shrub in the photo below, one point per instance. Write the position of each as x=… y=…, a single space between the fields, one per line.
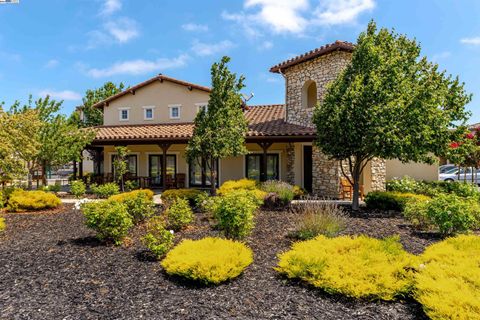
x=452 y=214
x=461 y=189
x=404 y=185
x=110 y=219
x=298 y=191
x=416 y=213
x=51 y=188
x=158 y=239
x=77 y=188
x=209 y=260
x=203 y=201
x=106 y=190
x=358 y=267
x=448 y=282
x=20 y=200
x=130 y=185
x=179 y=214
x=2 y=224
x=284 y=190
x=318 y=218
x=234 y=213
x=391 y=200
x=171 y=195
x=243 y=184
x=139 y=203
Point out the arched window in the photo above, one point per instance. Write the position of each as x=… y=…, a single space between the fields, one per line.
x=309 y=94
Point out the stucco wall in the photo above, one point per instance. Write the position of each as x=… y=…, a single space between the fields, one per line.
x=160 y=95
x=418 y=171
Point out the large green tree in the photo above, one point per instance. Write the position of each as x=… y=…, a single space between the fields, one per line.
x=220 y=129
x=94 y=116
x=389 y=103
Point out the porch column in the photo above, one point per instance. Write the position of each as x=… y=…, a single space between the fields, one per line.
x=263 y=167
x=164 y=147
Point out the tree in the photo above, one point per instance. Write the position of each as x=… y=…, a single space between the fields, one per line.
x=120 y=165
x=220 y=129
x=94 y=116
x=389 y=103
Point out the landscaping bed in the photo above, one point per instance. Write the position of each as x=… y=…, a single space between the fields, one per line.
x=52 y=266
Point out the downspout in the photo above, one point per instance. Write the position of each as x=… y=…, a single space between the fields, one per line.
x=286 y=86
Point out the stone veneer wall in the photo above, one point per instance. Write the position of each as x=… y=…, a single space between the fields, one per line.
x=379 y=174
x=325 y=176
x=322 y=70
x=290 y=155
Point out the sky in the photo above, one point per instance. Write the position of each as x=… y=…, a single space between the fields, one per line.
x=64 y=47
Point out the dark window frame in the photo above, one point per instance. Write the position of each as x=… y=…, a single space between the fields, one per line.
x=260 y=155
x=203 y=184
x=161 y=160
x=128 y=156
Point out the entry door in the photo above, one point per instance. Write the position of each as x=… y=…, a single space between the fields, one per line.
x=307 y=168
x=155 y=167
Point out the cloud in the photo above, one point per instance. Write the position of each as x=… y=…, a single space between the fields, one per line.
x=472 y=41
x=61 y=95
x=138 y=67
x=122 y=29
x=193 y=27
x=208 y=49
x=52 y=63
x=297 y=17
x=266 y=45
x=440 y=56
x=110 y=6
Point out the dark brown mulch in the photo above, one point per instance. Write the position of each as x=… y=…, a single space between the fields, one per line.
x=52 y=267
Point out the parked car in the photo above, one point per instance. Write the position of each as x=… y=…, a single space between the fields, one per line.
x=445 y=168
x=462 y=174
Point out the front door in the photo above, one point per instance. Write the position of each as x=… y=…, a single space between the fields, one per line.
x=155 y=167
x=307 y=168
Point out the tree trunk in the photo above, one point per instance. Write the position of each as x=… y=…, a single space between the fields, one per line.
x=356 y=185
x=213 y=177
x=44 y=173
x=30 y=177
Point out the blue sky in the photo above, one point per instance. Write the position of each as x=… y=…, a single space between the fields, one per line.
x=63 y=47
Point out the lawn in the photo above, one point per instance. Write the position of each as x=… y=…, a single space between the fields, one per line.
x=52 y=267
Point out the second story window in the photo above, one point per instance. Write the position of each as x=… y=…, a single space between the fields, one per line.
x=202 y=107
x=124 y=114
x=148 y=113
x=174 y=111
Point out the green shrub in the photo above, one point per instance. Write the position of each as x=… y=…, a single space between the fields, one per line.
x=51 y=188
x=139 y=203
x=448 y=281
x=2 y=224
x=284 y=190
x=416 y=213
x=452 y=214
x=171 y=195
x=130 y=185
x=106 y=190
x=203 y=201
x=110 y=219
x=461 y=189
x=234 y=212
x=318 y=218
x=179 y=214
x=77 y=188
x=403 y=185
x=208 y=261
x=20 y=200
x=158 y=239
x=391 y=200
x=358 y=267
x=299 y=192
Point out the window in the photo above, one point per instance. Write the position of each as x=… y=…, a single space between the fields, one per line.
x=155 y=167
x=148 y=113
x=174 y=111
x=202 y=106
x=124 y=114
x=254 y=166
x=200 y=173
x=131 y=164
x=309 y=94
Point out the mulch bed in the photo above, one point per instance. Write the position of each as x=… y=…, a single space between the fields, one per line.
x=52 y=267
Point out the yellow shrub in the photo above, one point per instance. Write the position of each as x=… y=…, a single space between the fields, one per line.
x=188 y=194
x=132 y=194
x=359 y=267
x=243 y=184
x=21 y=200
x=2 y=224
x=209 y=260
x=448 y=284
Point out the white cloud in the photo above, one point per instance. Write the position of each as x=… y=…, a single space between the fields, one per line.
x=208 y=49
x=52 y=63
x=194 y=27
x=473 y=41
x=110 y=6
x=122 y=29
x=296 y=17
x=266 y=45
x=138 y=67
x=62 y=95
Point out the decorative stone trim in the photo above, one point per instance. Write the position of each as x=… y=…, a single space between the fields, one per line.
x=290 y=154
x=379 y=174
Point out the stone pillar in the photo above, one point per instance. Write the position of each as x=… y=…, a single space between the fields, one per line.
x=325 y=176
x=290 y=154
x=379 y=174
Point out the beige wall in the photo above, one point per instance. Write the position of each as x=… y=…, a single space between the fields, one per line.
x=418 y=171
x=159 y=95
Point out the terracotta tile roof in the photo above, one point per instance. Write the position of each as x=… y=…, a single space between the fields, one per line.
x=323 y=50
x=263 y=121
x=159 y=77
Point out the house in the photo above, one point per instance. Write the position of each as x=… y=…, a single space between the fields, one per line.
x=155 y=120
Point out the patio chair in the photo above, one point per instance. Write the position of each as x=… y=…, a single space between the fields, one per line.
x=346 y=190
x=180 y=180
x=169 y=181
